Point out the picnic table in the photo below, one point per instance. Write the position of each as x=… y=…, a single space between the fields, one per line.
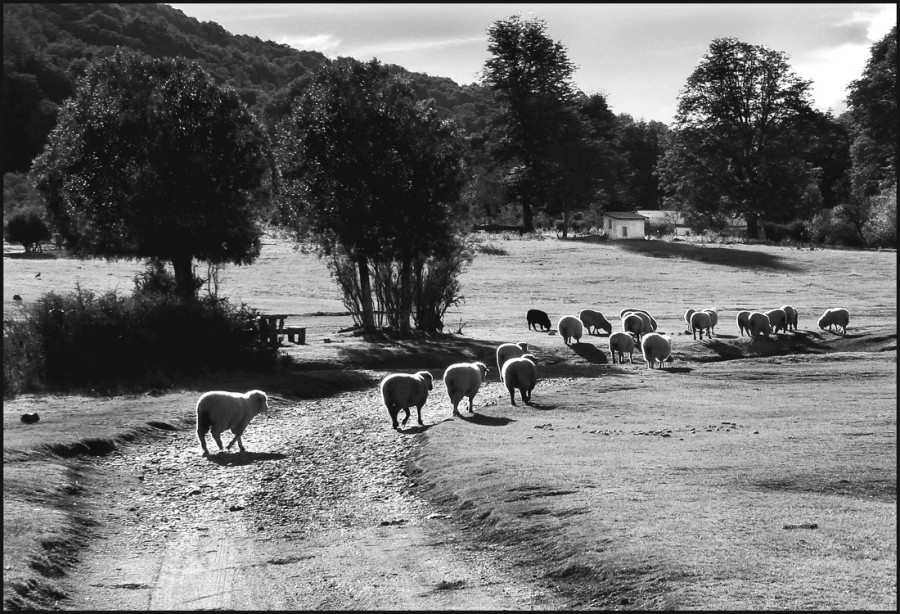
x=271 y=327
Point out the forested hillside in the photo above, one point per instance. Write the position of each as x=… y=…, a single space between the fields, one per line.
x=46 y=46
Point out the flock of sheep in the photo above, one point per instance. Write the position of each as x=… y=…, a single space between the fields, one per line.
x=220 y=411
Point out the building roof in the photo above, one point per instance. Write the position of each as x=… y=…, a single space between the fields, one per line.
x=624 y=215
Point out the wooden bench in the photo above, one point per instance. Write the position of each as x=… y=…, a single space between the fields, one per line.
x=295 y=334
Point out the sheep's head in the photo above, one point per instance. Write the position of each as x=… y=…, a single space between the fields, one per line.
x=262 y=400
x=428 y=377
x=823 y=324
x=523 y=346
x=529 y=357
x=483 y=369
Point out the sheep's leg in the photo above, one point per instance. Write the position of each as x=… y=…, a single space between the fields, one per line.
x=393 y=414
x=456 y=408
x=419 y=412
x=470 y=404
x=630 y=357
x=218 y=439
x=512 y=395
x=406 y=419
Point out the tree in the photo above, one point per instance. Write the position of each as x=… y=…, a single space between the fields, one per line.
x=28 y=228
x=151 y=159
x=370 y=175
x=737 y=145
x=531 y=77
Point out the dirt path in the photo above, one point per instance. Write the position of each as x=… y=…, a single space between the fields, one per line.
x=318 y=514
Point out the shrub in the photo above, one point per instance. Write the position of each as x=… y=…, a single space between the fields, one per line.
x=881 y=229
x=27 y=227
x=829 y=228
x=82 y=339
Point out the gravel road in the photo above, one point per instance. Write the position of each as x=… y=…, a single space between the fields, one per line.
x=319 y=513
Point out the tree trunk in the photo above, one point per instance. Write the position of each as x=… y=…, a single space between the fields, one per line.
x=566 y=221
x=365 y=293
x=184 y=277
x=752 y=225
x=527 y=218
x=405 y=295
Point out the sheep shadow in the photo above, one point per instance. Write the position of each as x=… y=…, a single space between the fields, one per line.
x=239 y=459
x=415 y=430
x=540 y=406
x=484 y=420
x=590 y=352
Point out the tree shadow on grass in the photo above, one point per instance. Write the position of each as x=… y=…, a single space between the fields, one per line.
x=483 y=420
x=746 y=259
x=590 y=352
x=30 y=256
x=438 y=351
x=238 y=459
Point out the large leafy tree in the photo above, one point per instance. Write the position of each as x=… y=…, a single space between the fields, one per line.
x=367 y=171
x=531 y=76
x=151 y=159
x=737 y=143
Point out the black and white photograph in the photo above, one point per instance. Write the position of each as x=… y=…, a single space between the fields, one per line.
x=449 y=307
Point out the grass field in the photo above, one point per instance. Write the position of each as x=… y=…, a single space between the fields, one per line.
x=747 y=475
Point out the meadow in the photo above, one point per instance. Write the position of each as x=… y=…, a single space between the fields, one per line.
x=746 y=475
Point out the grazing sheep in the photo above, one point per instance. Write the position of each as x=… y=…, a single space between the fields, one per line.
x=632 y=323
x=570 y=327
x=713 y=319
x=837 y=317
x=777 y=319
x=536 y=318
x=520 y=373
x=649 y=318
x=687 y=317
x=701 y=320
x=400 y=391
x=656 y=348
x=509 y=350
x=219 y=411
x=743 y=322
x=790 y=322
x=619 y=343
x=759 y=325
x=463 y=379
x=593 y=320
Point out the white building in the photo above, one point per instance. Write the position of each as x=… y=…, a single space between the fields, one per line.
x=624 y=224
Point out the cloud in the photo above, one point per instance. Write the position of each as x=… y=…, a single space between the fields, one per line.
x=412 y=46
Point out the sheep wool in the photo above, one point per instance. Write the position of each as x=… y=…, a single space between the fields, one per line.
x=219 y=411
x=657 y=349
x=743 y=322
x=777 y=319
x=570 y=327
x=701 y=321
x=464 y=379
x=619 y=343
x=520 y=373
x=536 y=317
x=594 y=320
x=401 y=391
x=837 y=317
x=759 y=325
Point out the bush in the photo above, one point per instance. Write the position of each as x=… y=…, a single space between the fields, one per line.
x=881 y=229
x=828 y=228
x=28 y=228
x=81 y=339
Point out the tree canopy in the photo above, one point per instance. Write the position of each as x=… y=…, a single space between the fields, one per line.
x=151 y=159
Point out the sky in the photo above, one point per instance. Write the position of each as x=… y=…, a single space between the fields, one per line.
x=639 y=56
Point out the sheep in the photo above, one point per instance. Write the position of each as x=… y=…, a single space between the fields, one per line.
x=570 y=327
x=536 y=318
x=650 y=318
x=463 y=379
x=713 y=319
x=837 y=317
x=219 y=411
x=520 y=373
x=790 y=322
x=509 y=350
x=759 y=325
x=656 y=348
x=400 y=391
x=777 y=319
x=687 y=318
x=594 y=320
x=743 y=322
x=701 y=320
x=619 y=343
x=647 y=326
x=632 y=323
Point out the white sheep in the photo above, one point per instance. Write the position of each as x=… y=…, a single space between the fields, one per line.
x=649 y=318
x=632 y=323
x=401 y=391
x=656 y=348
x=713 y=319
x=687 y=317
x=463 y=379
x=837 y=317
x=701 y=320
x=619 y=343
x=790 y=322
x=777 y=319
x=759 y=325
x=570 y=327
x=593 y=319
x=509 y=350
x=743 y=322
x=520 y=373
x=220 y=411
